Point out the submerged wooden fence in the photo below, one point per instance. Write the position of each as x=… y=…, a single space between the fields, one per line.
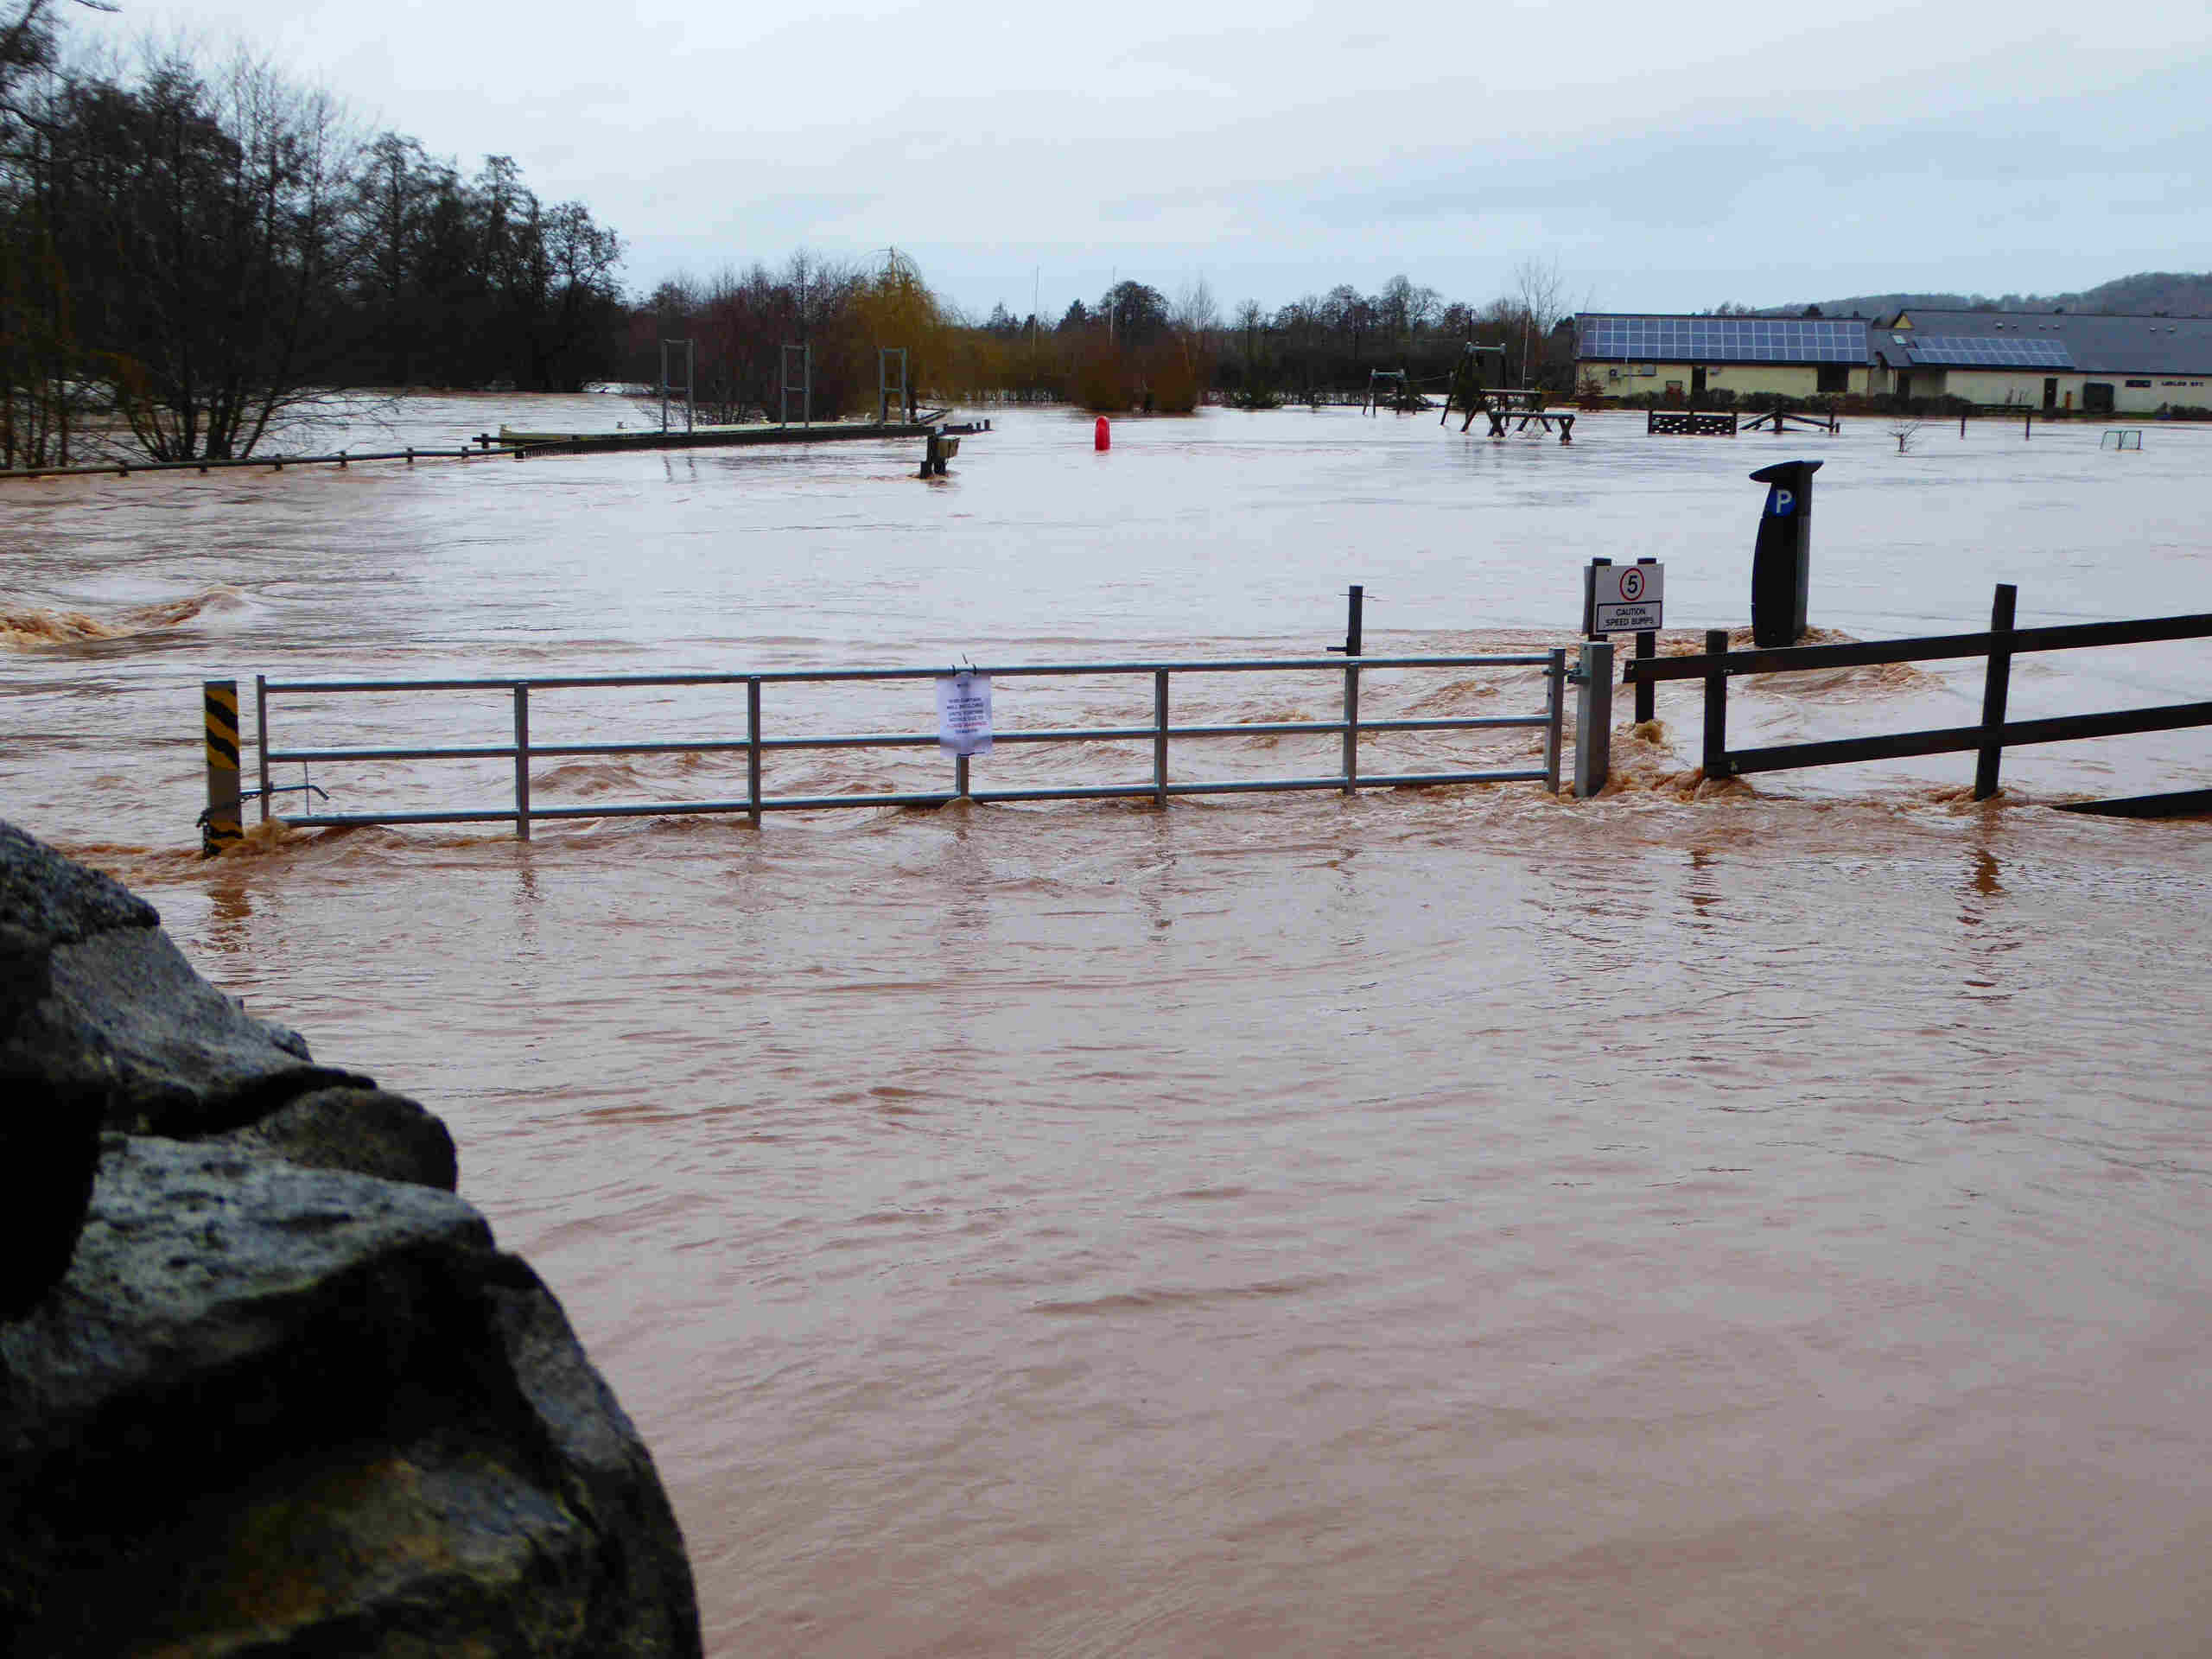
x=1988 y=740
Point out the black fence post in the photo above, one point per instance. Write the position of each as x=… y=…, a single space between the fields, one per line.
x=1590 y=599
x=1994 y=685
x=1647 y=647
x=1716 y=704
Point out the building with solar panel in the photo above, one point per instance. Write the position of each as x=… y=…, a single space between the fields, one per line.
x=1687 y=359
x=2053 y=361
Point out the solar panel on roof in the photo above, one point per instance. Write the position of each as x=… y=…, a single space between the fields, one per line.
x=1724 y=340
x=1974 y=351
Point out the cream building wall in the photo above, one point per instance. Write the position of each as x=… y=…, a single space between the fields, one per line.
x=2131 y=394
x=1792 y=379
x=2007 y=388
x=2145 y=394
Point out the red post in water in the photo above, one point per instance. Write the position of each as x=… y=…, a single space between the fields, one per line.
x=1102 y=437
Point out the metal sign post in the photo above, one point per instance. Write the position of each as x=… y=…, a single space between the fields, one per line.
x=1593 y=721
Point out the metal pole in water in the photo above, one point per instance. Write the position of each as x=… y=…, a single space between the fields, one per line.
x=960 y=777
x=261 y=739
x=1593 y=720
x=1351 y=729
x=1358 y=599
x=1160 y=737
x=752 y=748
x=221 y=828
x=521 y=761
x=1555 y=680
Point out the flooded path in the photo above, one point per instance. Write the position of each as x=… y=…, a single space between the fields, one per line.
x=1771 y=1220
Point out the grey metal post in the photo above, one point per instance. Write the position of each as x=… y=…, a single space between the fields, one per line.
x=1593 y=720
x=522 y=762
x=960 y=777
x=261 y=739
x=1555 y=680
x=752 y=748
x=1160 y=737
x=1996 y=684
x=1356 y=600
x=1351 y=727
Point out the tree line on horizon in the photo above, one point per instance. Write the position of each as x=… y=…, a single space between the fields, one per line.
x=191 y=252
x=1134 y=347
x=195 y=252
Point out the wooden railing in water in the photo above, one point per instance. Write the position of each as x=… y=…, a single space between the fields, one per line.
x=1988 y=741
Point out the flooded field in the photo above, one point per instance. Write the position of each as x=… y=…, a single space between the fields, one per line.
x=1714 y=1220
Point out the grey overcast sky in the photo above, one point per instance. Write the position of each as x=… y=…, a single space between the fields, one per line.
x=1666 y=158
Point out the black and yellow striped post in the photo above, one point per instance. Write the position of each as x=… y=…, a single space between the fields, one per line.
x=221 y=828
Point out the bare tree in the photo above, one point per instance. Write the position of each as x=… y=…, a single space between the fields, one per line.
x=1539 y=289
x=1905 y=428
x=1196 y=313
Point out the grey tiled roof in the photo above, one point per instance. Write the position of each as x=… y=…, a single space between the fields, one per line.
x=2098 y=345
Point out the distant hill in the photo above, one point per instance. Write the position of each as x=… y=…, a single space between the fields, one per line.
x=2176 y=293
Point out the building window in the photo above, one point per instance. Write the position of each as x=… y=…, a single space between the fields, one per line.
x=1835 y=377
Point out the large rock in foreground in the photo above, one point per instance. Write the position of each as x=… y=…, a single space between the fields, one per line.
x=104 y=1025
x=95 y=1000
x=287 y=1397
x=274 y=1409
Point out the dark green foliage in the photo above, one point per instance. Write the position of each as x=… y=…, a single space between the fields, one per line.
x=200 y=252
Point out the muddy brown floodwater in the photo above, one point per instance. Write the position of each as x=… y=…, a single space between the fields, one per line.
x=1696 y=1221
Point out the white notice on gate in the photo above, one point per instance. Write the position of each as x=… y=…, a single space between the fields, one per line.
x=963 y=714
x=1626 y=598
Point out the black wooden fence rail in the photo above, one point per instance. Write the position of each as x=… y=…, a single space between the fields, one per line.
x=1988 y=740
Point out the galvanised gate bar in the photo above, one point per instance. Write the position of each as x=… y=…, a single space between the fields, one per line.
x=757 y=744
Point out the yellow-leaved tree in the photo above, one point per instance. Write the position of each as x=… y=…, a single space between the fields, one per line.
x=894 y=307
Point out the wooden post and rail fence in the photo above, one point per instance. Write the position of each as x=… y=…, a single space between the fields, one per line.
x=1987 y=740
